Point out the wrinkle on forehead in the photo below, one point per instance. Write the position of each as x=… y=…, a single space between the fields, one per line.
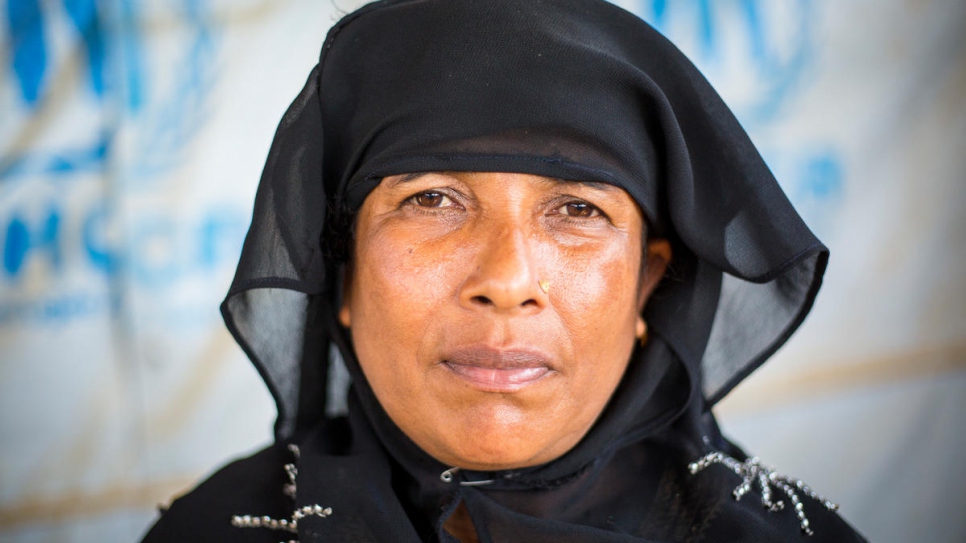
x=405 y=178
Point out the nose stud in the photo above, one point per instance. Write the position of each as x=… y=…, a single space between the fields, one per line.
x=544 y=286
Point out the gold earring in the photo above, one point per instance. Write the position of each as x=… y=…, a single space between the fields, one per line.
x=642 y=332
x=544 y=286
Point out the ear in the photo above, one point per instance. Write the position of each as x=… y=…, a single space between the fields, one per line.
x=345 y=314
x=657 y=258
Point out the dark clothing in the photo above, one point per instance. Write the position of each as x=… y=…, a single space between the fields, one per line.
x=578 y=90
x=669 y=504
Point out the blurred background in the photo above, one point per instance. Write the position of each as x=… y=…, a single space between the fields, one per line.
x=132 y=136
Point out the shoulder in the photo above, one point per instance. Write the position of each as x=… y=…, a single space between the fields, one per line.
x=250 y=486
x=770 y=507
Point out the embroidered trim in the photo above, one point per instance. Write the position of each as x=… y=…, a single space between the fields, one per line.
x=753 y=471
x=289 y=489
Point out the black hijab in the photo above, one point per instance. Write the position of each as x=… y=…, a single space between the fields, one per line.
x=572 y=89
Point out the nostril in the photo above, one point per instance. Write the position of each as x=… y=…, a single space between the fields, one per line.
x=483 y=300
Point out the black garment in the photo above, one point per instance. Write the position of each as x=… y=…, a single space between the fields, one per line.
x=641 y=493
x=573 y=89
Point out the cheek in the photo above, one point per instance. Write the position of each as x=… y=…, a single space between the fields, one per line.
x=395 y=296
x=596 y=296
x=597 y=306
x=387 y=305
x=396 y=275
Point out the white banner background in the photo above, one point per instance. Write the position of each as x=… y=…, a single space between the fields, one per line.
x=132 y=136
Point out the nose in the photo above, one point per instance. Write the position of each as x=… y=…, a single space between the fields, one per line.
x=505 y=277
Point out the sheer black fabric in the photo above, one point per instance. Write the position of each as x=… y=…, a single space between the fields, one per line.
x=573 y=89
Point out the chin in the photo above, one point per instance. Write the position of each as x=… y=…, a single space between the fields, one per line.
x=501 y=450
x=480 y=460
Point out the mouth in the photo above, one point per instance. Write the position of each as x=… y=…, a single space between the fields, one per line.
x=498 y=370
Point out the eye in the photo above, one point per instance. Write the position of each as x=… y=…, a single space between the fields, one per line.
x=579 y=210
x=431 y=198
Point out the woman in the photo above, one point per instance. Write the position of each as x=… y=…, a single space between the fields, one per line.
x=544 y=249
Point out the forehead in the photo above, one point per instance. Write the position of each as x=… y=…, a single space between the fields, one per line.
x=393 y=181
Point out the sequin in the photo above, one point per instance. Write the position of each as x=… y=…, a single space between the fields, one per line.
x=289 y=489
x=752 y=471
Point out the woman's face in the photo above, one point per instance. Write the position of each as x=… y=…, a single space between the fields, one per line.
x=494 y=314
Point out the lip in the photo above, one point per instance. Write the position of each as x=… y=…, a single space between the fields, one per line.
x=498 y=370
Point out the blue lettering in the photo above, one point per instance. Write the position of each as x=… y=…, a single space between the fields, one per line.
x=707 y=28
x=83 y=14
x=659 y=8
x=93 y=233
x=823 y=176
x=755 y=30
x=26 y=25
x=154 y=253
x=19 y=241
x=55 y=309
x=161 y=253
x=130 y=53
x=219 y=238
x=15 y=246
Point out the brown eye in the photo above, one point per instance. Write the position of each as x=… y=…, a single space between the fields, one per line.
x=430 y=199
x=579 y=210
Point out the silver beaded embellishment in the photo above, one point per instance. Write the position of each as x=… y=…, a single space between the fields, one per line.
x=753 y=471
x=289 y=489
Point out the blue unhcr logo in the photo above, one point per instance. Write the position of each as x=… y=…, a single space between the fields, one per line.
x=774 y=39
x=760 y=55
x=62 y=181
x=115 y=81
x=26 y=23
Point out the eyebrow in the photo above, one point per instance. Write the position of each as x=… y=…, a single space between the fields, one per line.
x=407 y=178
x=592 y=184
x=412 y=176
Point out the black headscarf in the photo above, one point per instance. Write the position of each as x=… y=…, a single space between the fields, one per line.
x=573 y=89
